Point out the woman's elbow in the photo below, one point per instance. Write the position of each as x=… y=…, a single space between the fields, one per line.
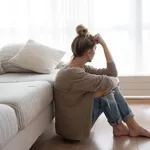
x=114 y=74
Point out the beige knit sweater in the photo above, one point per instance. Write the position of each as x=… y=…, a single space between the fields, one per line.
x=74 y=91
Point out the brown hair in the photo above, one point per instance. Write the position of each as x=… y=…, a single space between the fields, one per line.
x=82 y=42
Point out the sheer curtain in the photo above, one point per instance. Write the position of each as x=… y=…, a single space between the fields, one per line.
x=124 y=24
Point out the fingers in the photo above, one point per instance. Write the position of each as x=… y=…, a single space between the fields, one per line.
x=102 y=93
x=96 y=38
x=99 y=39
x=107 y=92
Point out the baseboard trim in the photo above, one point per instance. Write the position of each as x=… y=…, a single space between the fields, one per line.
x=137 y=97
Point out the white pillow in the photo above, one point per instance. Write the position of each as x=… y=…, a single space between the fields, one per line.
x=37 y=57
x=6 y=53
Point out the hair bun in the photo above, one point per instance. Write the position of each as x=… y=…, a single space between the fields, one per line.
x=81 y=30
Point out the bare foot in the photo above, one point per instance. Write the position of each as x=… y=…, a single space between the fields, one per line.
x=120 y=130
x=139 y=131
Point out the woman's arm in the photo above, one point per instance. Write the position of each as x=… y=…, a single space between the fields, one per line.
x=109 y=71
x=111 y=67
x=93 y=83
x=107 y=53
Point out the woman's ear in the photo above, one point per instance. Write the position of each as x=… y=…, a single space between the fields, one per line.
x=89 y=52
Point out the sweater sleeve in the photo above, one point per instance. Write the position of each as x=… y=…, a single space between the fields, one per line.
x=87 y=82
x=111 y=70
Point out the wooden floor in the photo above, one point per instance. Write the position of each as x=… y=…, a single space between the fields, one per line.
x=101 y=137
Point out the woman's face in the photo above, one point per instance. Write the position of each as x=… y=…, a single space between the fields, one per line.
x=91 y=54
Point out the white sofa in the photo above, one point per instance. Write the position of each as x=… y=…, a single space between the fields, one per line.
x=26 y=108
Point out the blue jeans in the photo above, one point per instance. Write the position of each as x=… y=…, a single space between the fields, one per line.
x=114 y=107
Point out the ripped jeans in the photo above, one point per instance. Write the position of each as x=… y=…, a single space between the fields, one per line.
x=114 y=107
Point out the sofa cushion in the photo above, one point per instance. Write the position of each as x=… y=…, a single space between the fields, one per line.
x=6 y=53
x=26 y=98
x=26 y=77
x=8 y=124
x=37 y=57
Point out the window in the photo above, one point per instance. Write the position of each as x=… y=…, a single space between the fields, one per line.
x=146 y=35
x=124 y=24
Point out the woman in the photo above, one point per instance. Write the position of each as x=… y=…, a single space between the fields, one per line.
x=82 y=93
